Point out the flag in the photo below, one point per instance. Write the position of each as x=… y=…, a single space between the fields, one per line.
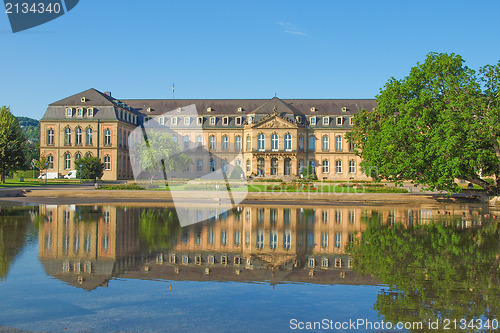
x=172 y=87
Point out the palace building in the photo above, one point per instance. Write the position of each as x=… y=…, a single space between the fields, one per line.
x=276 y=138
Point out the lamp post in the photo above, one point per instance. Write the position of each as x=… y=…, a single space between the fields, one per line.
x=46 y=165
x=80 y=171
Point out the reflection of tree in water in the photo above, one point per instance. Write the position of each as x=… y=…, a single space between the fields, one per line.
x=433 y=270
x=87 y=213
x=15 y=229
x=158 y=228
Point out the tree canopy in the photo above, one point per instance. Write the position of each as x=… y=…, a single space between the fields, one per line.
x=92 y=167
x=12 y=143
x=438 y=124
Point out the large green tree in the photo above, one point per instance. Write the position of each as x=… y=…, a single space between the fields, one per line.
x=12 y=143
x=440 y=123
x=91 y=168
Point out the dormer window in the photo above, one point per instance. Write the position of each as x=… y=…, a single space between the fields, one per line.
x=240 y=109
x=79 y=112
x=212 y=120
x=344 y=109
x=69 y=112
x=148 y=109
x=313 y=109
x=174 y=120
x=179 y=109
x=339 y=121
x=298 y=119
x=351 y=121
x=326 y=121
x=83 y=99
x=225 y=120
x=238 y=120
x=90 y=112
x=209 y=109
x=312 y=121
x=162 y=120
x=187 y=121
x=199 y=121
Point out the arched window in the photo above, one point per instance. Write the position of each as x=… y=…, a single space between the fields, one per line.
x=326 y=166
x=199 y=142
x=185 y=141
x=50 y=162
x=78 y=156
x=67 y=136
x=249 y=168
x=88 y=154
x=78 y=136
x=288 y=142
x=225 y=142
x=261 y=164
x=274 y=166
x=237 y=143
x=261 y=142
x=50 y=137
x=338 y=143
x=211 y=143
x=287 y=166
x=212 y=164
x=107 y=137
x=325 y=143
x=249 y=143
x=312 y=143
x=88 y=140
x=67 y=161
x=274 y=142
x=352 y=166
x=301 y=142
x=120 y=138
x=107 y=162
x=338 y=166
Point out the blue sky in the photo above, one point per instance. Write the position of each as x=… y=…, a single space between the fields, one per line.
x=236 y=49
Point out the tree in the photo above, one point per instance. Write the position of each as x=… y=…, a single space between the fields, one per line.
x=434 y=126
x=162 y=152
x=12 y=143
x=92 y=167
x=309 y=173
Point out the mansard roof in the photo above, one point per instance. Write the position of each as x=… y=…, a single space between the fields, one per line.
x=289 y=108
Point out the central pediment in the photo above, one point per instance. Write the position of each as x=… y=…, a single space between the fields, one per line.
x=274 y=121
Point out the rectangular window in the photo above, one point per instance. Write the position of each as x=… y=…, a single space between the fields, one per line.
x=174 y=120
x=212 y=120
x=326 y=121
x=238 y=121
x=225 y=121
x=339 y=121
x=312 y=121
x=326 y=166
x=187 y=121
x=351 y=121
x=79 y=112
x=69 y=112
x=199 y=121
x=90 y=112
x=338 y=239
x=324 y=239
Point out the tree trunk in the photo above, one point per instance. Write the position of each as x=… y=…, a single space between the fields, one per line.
x=3 y=177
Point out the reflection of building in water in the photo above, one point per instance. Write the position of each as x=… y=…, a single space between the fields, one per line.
x=261 y=243
x=84 y=245
x=87 y=245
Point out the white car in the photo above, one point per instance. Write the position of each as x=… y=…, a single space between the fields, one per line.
x=71 y=175
x=49 y=175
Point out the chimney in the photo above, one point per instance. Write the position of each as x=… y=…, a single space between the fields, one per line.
x=107 y=93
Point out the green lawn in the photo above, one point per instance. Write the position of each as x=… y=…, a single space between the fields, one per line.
x=36 y=182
